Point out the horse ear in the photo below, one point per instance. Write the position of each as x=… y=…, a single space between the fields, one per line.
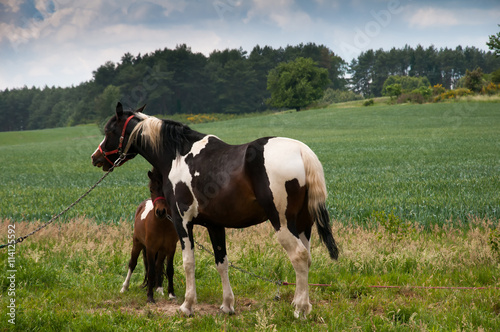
x=150 y=175
x=141 y=109
x=119 y=110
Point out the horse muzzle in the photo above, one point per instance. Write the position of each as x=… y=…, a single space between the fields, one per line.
x=160 y=213
x=98 y=160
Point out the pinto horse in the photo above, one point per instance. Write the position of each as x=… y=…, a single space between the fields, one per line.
x=211 y=183
x=156 y=237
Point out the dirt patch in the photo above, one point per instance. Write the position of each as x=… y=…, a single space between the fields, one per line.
x=171 y=308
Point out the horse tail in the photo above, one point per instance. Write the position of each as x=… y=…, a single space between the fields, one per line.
x=317 y=193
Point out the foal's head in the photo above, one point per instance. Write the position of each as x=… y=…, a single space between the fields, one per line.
x=157 y=196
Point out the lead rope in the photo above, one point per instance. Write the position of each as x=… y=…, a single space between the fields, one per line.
x=22 y=238
x=278 y=283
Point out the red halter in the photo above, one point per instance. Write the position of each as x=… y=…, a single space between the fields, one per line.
x=158 y=198
x=120 y=145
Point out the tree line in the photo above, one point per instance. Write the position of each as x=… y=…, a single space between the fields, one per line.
x=179 y=80
x=445 y=66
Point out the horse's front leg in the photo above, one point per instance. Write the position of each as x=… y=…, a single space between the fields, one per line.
x=187 y=244
x=218 y=238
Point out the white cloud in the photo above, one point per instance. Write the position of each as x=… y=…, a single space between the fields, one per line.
x=428 y=17
x=439 y=17
x=12 y=5
x=281 y=12
x=70 y=38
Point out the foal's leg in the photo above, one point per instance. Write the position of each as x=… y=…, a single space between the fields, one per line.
x=136 y=250
x=150 y=254
x=218 y=238
x=160 y=260
x=170 y=273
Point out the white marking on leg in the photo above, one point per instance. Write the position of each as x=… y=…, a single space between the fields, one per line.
x=147 y=209
x=160 y=290
x=127 y=281
x=299 y=257
x=227 y=293
x=307 y=244
x=283 y=162
x=189 y=267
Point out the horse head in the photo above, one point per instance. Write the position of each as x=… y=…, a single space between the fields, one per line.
x=116 y=131
x=156 y=188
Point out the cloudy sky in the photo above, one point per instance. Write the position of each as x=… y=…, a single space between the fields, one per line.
x=60 y=42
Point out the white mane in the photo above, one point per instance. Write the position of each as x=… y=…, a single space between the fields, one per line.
x=150 y=129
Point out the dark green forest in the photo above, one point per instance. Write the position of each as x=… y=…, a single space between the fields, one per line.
x=172 y=81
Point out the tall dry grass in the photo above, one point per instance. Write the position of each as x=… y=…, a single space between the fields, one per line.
x=362 y=250
x=69 y=275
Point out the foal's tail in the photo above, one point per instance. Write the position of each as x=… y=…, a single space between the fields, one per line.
x=316 y=188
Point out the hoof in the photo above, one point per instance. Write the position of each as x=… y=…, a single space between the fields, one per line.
x=227 y=310
x=150 y=300
x=302 y=312
x=123 y=290
x=160 y=290
x=172 y=296
x=185 y=311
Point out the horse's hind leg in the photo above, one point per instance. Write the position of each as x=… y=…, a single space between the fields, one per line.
x=136 y=250
x=283 y=205
x=300 y=259
x=218 y=238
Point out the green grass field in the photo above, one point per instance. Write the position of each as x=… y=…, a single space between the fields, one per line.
x=413 y=194
x=430 y=163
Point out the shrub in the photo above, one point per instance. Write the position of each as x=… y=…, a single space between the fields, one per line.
x=453 y=94
x=495 y=76
x=369 y=102
x=438 y=89
x=474 y=79
x=426 y=92
x=408 y=83
x=411 y=98
x=201 y=118
x=393 y=90
x=490 y=89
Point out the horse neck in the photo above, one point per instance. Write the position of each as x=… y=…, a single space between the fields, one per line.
x=162 y=160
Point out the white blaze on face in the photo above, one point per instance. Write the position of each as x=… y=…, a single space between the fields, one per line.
x=147 y=209
x=97 y=149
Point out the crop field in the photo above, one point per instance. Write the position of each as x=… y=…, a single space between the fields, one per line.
x=414 y=197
